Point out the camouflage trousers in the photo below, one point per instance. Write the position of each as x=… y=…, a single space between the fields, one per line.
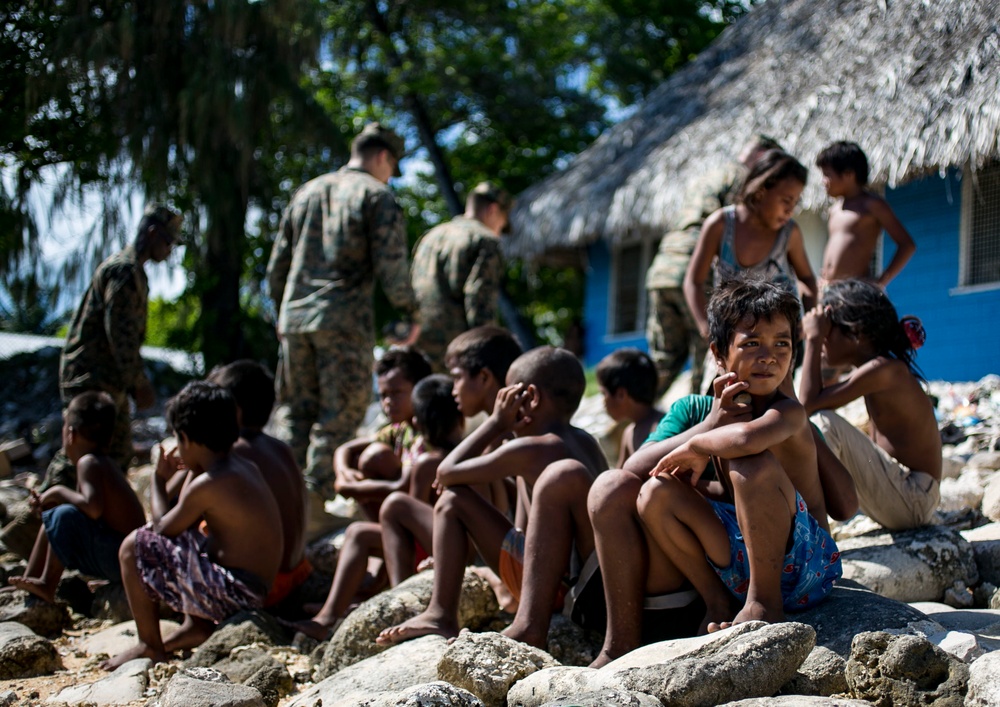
x=61 y=469
x=673 y=337
x=324 y=385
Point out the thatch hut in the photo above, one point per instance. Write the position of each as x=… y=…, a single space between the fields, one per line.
x=915 y=83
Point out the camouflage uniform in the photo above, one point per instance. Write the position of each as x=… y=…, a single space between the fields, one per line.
x=339 y=232
x=456 y=278
x=670 y=329
x=102 y=352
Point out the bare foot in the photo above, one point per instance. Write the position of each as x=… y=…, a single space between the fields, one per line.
x=757 y=611
x=318 y=630
x=141 y=650
x=506 y=600
x=534 y=638
x=717 y=617
x=421 y=625
x=602 y=659
x=34 y=586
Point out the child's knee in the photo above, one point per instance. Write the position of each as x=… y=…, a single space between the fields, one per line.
x=379 y=461
x=564 y=478
x=755 y=469
x=126 y=551
x=393 y=507
x=657 y=498
x=613 y=492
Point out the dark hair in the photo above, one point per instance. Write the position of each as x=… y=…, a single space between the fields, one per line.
x=251 y=385
x=490 y=347
x=863 y=309
x=554 y=371
x=206 y=413
x=411 y=361
x=773 y=167
x=632 y=370
x=92 y=415
x=435 y=409
x=748 y=297
x=843 y=156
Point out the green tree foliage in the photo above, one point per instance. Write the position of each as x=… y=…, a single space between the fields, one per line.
x=223 y=108
x=205 y=105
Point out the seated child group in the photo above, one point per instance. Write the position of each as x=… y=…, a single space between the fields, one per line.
x=715 y=512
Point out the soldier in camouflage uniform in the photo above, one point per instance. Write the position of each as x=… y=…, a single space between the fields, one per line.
x=457 y=270
x=338 y=233
x=102 y=349
x=671 y=331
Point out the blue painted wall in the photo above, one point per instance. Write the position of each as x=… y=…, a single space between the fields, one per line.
x=597 y=342
x=963 y=339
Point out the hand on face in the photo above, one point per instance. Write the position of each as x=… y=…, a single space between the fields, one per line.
x=816 y=323
x=732 y=402
x=512 y=407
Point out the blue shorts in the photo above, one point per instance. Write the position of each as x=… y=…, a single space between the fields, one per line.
x=82 y=543
x=811 y=566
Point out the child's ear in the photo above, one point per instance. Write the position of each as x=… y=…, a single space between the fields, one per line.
x=719 y=361
x=534 y=394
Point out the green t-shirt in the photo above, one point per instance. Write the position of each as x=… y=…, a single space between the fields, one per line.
x=682 y=416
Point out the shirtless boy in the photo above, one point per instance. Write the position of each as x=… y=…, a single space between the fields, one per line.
x=627 y=378
x=555 y=463
x=206 y=575
x=749 y=545
x=478 y=361
x=82 y=529
x=252 y=387
x=897 y=469
x=857 y=219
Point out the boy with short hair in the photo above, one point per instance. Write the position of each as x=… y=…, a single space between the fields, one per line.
x=252 y=387
x=750 y=540
x=554 y=461
x=627 y=379
x=478 y=361
x=856 y=221
x=206 y=575
x=82 y=529
x=370 y=468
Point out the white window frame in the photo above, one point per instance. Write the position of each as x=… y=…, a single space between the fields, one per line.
x=646 y=253
x=969 y=185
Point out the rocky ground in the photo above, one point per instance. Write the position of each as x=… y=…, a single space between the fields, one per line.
x=916 y=619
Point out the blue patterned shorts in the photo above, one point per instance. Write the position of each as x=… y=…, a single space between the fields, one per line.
x=810 y=569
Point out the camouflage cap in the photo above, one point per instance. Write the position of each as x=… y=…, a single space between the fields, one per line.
x=495 y=193
x=377 y=135
x=164 y=217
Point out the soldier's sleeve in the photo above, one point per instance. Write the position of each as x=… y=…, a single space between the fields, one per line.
x=125 y=326
x=482 y=286
x=280 y=261
x=390 y=259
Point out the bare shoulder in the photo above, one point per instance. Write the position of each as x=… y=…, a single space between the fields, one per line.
x=96 y=467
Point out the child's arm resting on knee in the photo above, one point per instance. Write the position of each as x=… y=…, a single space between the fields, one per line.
x=195 y=499
x=743 y=439
x=466 y=464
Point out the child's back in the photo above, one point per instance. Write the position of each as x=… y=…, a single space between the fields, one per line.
x=242 y=518
x=123 y=511
x=277 y=466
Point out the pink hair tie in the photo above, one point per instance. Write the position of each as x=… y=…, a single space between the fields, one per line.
x=914 y=329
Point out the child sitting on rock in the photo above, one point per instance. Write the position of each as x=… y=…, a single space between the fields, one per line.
x=207 y=571
x=83 y=528
x=439 y=425
x=897 y=469
x=252 y=387
x=750 y=546
x=627 y=378
x=555 y=463
x=369 y=468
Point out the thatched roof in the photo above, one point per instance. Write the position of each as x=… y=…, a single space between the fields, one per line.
x=915 y=82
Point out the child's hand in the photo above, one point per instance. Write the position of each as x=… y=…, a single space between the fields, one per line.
x=816 y=323
x=683 y=461
x=510 y=411
x=168 y=463
x=732 y=401
x=35 y=502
